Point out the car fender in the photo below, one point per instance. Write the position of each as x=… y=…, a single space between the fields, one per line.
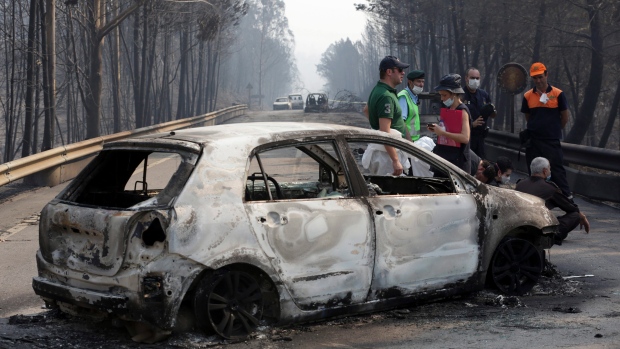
x=511 y=213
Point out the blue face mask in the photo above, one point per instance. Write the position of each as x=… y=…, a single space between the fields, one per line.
x=448 y=102
x=548 y=177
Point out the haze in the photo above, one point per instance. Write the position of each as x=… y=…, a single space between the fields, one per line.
x=316 y=25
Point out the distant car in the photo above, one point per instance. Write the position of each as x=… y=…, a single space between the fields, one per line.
x=282 y=103
x=297 y=101
x=316 y=102
x=273 y=223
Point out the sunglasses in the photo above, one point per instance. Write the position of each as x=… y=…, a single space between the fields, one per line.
x=400 y=70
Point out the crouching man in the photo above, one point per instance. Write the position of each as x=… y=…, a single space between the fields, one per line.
x=539 y=184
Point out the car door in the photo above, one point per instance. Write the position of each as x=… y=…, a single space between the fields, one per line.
x=426 y=229
x=316 y=234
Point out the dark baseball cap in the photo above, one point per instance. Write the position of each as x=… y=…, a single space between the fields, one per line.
x=450 y=82
x=389 y=62
x=415 y=74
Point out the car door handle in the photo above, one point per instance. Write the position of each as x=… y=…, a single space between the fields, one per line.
x=388 y=211
x=274 y=219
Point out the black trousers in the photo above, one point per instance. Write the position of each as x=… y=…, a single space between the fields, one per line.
x=476 y=144
x=551 y=149
x=568 y=223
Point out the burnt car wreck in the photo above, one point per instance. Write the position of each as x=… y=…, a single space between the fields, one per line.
x=278 y=223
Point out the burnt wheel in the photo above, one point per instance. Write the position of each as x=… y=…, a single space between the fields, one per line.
x=516 y=266
x=230 y=303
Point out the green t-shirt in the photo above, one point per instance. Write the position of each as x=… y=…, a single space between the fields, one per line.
x=383 y=103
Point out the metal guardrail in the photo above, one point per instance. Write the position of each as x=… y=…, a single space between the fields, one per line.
x=53 y=158
x=593 y=185
x=599 y=186
x=604 y=159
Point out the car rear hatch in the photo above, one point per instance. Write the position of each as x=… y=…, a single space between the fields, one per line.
x=117 y=207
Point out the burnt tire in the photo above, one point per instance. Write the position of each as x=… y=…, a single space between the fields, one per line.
x=229 y=303
x=516 y=266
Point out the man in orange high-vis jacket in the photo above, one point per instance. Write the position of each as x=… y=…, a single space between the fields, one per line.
x=546 y=112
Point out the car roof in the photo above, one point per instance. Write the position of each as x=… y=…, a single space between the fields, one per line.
x=229 y=145
x=255 y=133
x=264 y=130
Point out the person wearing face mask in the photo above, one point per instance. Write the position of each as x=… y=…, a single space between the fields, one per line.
x=539 y=184
x=449 y=89
x=503 y=165
x=409 y=102
x=546 y=111
x=479 y=103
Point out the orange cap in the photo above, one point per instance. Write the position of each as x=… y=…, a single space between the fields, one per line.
x=537 y=69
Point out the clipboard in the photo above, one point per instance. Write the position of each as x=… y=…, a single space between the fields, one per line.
x=452 y=121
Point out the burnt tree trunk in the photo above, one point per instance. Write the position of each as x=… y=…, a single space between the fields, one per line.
x=539 y=33
x=593 y=88
x=181 y=108
x=613 y=115
x=47 y=119
x=30 y=83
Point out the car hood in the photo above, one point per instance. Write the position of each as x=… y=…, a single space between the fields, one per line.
x=513 y=208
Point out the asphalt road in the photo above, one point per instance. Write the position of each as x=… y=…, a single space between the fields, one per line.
x=578 y=312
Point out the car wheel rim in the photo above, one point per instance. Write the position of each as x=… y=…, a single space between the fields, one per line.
x=516 y=266
x=234 y=305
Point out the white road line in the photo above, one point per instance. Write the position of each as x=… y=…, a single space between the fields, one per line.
x=32 y=220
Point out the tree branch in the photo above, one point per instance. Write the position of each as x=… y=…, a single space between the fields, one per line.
x=117 y=20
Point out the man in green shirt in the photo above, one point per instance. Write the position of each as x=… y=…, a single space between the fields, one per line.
x=384 y=112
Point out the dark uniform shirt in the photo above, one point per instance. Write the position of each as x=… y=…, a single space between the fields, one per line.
x=475 y=101
x=545 y=119
x=547 y=191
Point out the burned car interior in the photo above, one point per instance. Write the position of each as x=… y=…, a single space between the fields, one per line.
x=376 y=167
x=390 y=185
x=314 y=171
x=300 y=172
x=123 y=179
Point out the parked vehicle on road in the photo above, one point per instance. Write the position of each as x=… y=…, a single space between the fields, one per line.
x=297 y=101
x=282 y=103
x=317 y=102
x=274 y=223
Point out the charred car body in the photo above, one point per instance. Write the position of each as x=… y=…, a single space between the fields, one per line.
x=277 y=223
x=316 y=102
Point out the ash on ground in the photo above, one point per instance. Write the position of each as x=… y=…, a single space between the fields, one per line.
x=53 y=329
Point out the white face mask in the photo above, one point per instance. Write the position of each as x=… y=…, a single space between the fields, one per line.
x=448 y=102
x=474 y=84
x=417 y=90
